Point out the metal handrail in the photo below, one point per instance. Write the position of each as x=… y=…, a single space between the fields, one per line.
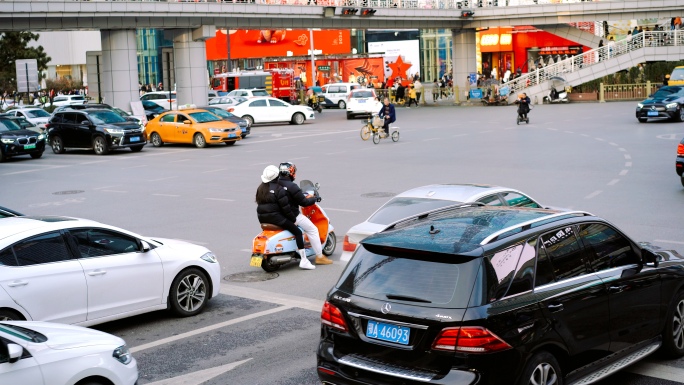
x=575 y=63
x=527 y=223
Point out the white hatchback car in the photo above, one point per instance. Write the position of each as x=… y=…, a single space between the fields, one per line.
x=431 y=197
x=362 y=101
x=161 y=98
x=271 y=110
x=67 y=100
x=42 y=353
x=248 y=93
x=35 y=115
x=77 y=271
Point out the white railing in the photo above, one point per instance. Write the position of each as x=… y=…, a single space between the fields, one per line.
x=575 y=63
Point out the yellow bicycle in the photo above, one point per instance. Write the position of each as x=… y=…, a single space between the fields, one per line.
x=373 y=127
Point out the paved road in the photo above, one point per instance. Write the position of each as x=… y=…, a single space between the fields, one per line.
x=593 y=157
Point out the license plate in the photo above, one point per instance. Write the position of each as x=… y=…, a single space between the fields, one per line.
x=232 y=135
x=29 y=146
x=135 y=139
x=362 y=101
x=388 y=332
x=255 y=261
x=652 y=113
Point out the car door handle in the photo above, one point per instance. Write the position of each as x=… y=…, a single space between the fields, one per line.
x=97 y=272
x=617 y=289
x=17 y=283
x=555 y=307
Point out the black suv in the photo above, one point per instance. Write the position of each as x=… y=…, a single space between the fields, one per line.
x=15 y=140
x=679 y=164
x=499 y=295
x=98 y=129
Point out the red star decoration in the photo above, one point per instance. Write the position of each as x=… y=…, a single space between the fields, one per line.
x=399 y=68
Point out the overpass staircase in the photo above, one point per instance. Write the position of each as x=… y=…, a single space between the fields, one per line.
x=597 y=63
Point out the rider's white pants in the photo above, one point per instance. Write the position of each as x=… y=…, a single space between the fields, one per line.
x=311 y=232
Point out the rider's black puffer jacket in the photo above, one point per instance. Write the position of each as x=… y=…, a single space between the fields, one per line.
x=297 y=197
x=277 y=209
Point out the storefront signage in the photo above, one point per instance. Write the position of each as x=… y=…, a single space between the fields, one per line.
x=476 y=93
x=489 y=40
x=324 y=68
x=560 y=51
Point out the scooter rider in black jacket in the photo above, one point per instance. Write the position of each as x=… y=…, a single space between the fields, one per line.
x=288 y=172
x=273 y=206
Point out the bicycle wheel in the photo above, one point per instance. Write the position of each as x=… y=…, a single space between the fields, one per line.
x=365 y=132
x=376 y=138
x=395 y=136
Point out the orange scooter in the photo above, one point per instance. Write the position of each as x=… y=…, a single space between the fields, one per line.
x=275 y=246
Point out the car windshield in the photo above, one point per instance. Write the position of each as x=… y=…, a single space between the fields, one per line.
x=260 y=93
x=106 y=117
x=24 y=123
x=362 y=94
x=665 y=92
x=204 y=117
x=8 y=125
x=402 y=207
x=23 y=333
x=37 y=114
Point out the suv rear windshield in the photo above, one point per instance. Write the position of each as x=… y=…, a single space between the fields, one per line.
x=362 y=94
x=400 y=208
x=105 y=117
x=37 y=114
x=424 y=279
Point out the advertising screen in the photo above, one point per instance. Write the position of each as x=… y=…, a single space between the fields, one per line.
x=391 y=50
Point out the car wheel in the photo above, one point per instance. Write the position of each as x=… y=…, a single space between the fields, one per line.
x=298 y=118
x=680 y=117
x=542 y=368
x=268 y=266
x=330 y=244
x=249 y=119
x=365 y=132
x=199 y=140
x=10 y=315
x=2 y=156
x=57 y=145
x=682 y=181
x=189 y=292
x=136 y=148
x=673 y=335
x=642 y=120
x=156 y=140
x=342 y=105
x=100 y=145
x=230 y=143
x=36 y=155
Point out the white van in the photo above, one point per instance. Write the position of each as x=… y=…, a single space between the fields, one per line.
x=336 y=94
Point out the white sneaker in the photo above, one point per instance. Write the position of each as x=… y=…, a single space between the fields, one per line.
x=305 y=263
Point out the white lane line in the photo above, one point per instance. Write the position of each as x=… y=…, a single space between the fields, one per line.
x=115 y=191
x=138 y=166
x=323 y=141
x=430 y=139
x=335 y=153
x=595 y=193
x=484 y=132
x=220 y=169
x=628 y=164
x=290 y=137
x=189 y=241
x=201 y=376
x=166 y=195
x=165 y=152
x=251 y=151
x=627 y=156
x=160 y=179
x=289 y=301
x=569 y=132
x=34 y=170
x=259 y=164
x=622 y=149
x=30 y=181
x=301 y=157
x=91 y=162
x=101 y=188
x=600 y=140
x=613 y=144
x=663 y=372
x=552 y=129
x=666 y=241
x=624 y=172
x=218 y=156
x=219 y=199
x=585 y=135
x=179 y=160
x=290 y=145
x=206 y=329
x=342 y=210
x=613 y=182
x=456 y=136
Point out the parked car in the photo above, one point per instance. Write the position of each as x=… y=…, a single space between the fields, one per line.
x=152 y=109
x=193 y=126
x=66 y=100
x=362 y=101
x=124 y=114
x=97 y=129
x=263 y=109
x=42 y=353
x=335 y=94
x=35 y=115
x=679 y=164
x=25 y=124
x=6 y=213
x=107 y=273
x=248 y=93
x=666 y=103
x=227 y=116
x=16 y=141
x=226 y=102
x=161 y=98
x=499 y=296
x=425 y=198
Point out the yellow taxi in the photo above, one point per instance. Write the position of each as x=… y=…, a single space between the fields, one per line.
x=677 y=77
x=191 y=125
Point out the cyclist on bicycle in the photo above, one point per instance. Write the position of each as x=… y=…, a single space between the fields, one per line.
x=388 y=114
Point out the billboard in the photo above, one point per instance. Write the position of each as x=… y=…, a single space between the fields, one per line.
x=250 y=44
x=408 y=49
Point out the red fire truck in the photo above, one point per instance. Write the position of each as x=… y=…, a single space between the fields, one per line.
x=279 y=82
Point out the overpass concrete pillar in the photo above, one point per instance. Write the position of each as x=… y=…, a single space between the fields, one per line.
x=119 y=68
x=464 y=60
x=190 y=62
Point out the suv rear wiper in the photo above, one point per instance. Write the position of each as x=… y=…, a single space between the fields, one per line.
x=406 y=298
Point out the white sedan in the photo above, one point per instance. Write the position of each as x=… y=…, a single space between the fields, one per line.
x=362 y=101
x=77 y=271
x=35 y=115
x=226 y=102
x=265 y=109
x=42 y=353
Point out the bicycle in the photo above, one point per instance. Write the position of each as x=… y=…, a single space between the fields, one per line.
x=373 y=126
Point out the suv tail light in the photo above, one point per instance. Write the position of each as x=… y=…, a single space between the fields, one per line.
x=332 y=316
x=469 y=339
x=347 y=245
x=680 y=149
x=47 y=125
x=231 y=109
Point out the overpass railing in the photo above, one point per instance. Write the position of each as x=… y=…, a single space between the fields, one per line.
x=575 y=63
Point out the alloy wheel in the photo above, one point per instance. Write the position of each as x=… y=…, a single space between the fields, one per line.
x=544 y=374
x=192 y=292
x=677 y=327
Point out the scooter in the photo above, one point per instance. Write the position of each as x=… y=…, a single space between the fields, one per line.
x=315 y=104
x=275 y=246
x=557 y=97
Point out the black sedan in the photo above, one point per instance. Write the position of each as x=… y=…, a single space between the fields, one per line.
x=666 y=103
x=14 y=140
x=680 y=161
x=152 y=109
x=225 y=115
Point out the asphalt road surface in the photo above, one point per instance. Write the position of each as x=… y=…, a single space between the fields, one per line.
x=263 y=329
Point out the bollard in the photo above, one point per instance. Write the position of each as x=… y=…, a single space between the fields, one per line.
x=602 y=91
x=302 y=102
x=536 y=99
x=457 y=97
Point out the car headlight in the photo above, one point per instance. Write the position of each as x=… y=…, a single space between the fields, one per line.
x=41 y=136
x=215 y=130
x=209 y=257
x=8 y=141
x=640 y=105
x=671 y=105
x=122 y=354
x=114 y=130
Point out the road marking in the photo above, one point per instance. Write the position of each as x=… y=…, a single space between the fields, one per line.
x=335 y=153
x=219 y=199
x=301 y=157
x=323 y=141
x=600 y=140
x=484 y=132
x=100 y=188
x=206 y=329
x=628 y=164
x=286 y=300
x=115 y=191
x=627 y=156
x=613 y=144
x=30 y=181
x=138 y=166
x=595 y=193
x=552 y=129
x=613 y=182
x=663 y=372
x=290 y=137
x=585 y=135
x=220 y=169
x=260 y=163
x=160 y=179
x=569 y=132
x=92 y=162
x=290 y=145
x=193 y=242
x=167 y=195
x=179 y=160
x=342 y=210
x=622 y=149
x=669 y=136
x=624 y=172
x=456 y=136
x=665 y=241
x=34 y=170
x=430 y=139
x=218 y=156
x=277 y=135
x=201 y=376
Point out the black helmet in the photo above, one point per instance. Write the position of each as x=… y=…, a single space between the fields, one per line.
x=288 y=169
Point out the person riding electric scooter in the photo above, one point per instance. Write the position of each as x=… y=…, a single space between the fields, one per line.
x=523 y=108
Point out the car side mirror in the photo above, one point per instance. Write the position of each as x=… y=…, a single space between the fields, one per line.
x=85 y=123
x=14 y=352
x=650 y=258
x=145 y=246
x=187 y=122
